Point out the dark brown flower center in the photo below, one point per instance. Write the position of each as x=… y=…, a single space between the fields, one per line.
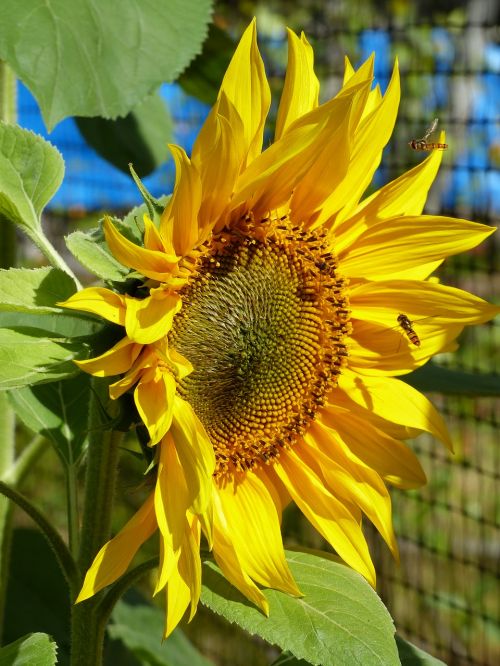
x=263 y=321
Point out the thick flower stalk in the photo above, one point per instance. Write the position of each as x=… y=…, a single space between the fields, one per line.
x=264 y=347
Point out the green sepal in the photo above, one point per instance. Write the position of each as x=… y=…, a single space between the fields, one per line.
x=154 y=206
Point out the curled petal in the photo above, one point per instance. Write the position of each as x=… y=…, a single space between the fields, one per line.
x=115 y=361
x=98 y=301
x=152 y=263
x=154 y=399
x=179 y=221
x=150 y=319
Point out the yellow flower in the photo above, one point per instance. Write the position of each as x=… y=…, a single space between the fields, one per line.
x=264 y=359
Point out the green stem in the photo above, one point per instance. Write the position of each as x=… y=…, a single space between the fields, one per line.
x=55 y=540
x=73 y=517
x=87 y=622
x=29 y=455
x=49 y=252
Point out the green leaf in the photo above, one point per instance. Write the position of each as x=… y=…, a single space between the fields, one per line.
x=34 y=290
x=58 y=411
x=204 y=75
x=37 y=649
x=62 y=324
x=432 y=378
x=37 y=594
x=411 y=655
x=86 y=58
x=287 y=659
x=31 y=169
x=27 y=359
x=139 y=138
x=140 y=628
x=339 y=621
x=90 y=250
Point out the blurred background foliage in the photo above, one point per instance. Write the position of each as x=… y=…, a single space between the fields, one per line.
x=444 y=595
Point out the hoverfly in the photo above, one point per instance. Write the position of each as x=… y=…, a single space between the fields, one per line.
x=407 y=327
x=423 y=144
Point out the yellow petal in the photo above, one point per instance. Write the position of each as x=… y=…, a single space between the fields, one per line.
x=351 y=479
x=149 y=319
x=154 y=399
x=99 y=301
x=352 y=78
x=326 y=512
x=246 y=87
x=220 y=167
x=179 y=220
x=254 y=529
x=196 y=454
x=325 y=173
x=406 y=242
x=116 y=360
x=437 y=313
x=178 y=596
x=389 y=457
x=269 y=181
x=152 y=238
x=184 y=586
x=115 y=556
x=348 y=70
x=378 y=349
x=226 y=557
x=382 y=301
x=396 y=401
x=171 y=504
x=339 y=401
x=405 y=195
x=151 y=263
x=301 y=88
x=370 y=137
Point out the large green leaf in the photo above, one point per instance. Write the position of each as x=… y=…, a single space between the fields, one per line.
x=86 y=58
x=411 y=655
x=26 y=359
x=31 y=169
x=59 y=411
x=37 y=649
x=34 y=290
x=140 y=628
x=140 y=138
x=339 y=621
x=432 y=378
x=60 y=324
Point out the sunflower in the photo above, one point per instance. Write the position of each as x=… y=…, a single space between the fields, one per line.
x=264 y=346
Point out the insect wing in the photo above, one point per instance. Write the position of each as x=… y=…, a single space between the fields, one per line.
x=430 y=129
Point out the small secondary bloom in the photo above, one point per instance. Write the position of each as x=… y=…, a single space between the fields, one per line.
x=264 y=348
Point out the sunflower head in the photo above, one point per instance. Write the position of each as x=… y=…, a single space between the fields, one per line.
x=264 y=347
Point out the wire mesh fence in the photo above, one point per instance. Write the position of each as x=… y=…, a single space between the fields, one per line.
x=444 y=595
